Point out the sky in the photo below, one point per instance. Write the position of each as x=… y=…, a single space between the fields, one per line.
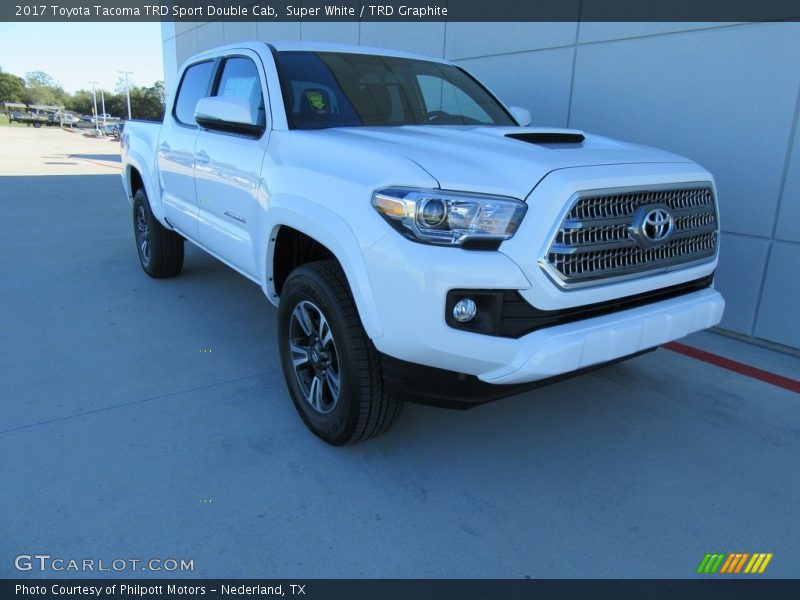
x=74 y=54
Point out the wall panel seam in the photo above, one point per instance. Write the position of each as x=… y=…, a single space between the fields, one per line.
x=781 y=190
x=574 y=61
x=668 y=33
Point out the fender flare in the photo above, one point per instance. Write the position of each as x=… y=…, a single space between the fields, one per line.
x=331 y=230
x=135 y=160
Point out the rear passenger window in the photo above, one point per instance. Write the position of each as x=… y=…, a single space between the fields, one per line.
x=194 y=86
x=240 y=79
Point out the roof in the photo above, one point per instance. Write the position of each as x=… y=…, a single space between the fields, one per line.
x=290 y=46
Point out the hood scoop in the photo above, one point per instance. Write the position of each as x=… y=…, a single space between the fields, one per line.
x=548 y=137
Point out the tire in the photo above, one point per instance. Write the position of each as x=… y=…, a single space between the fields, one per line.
x=331 y=367
x=160 y=250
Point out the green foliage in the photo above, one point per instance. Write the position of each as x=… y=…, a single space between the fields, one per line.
x=81 y=102
x=53 y=96
x=12 y=88
x=148 y=102
x=39 y=78
x=39 y=88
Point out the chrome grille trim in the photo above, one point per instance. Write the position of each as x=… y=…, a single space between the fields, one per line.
x=592 y=244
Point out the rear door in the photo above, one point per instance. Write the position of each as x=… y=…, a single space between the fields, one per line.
x=176 y=149
x=228 y=168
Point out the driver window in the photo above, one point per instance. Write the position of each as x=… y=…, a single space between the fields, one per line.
x=240 y=79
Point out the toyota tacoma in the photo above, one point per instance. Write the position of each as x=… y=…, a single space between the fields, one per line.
x=419 y=239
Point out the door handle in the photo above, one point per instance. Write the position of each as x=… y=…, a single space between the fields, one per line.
x=201 y=158
x=164 y=148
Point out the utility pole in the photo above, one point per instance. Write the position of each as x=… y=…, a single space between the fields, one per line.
x=94 y=94
x=103 y=100
x=128 y=91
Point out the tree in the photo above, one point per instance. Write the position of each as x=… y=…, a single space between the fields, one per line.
x=39 y=88
x=148 y=102
x=158 y=87
x=39 y=78
x=115 y=104
x=43 y=89
x=12 y=88
x=81 y=102
x=44 y=95
x=120 y=87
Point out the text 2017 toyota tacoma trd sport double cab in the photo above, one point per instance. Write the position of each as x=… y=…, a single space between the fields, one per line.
x=417 y=237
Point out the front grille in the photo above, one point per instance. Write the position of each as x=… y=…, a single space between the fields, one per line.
x=595 y=239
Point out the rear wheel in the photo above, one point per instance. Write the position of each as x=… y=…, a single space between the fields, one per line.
x=331 y=368
x=160 y=250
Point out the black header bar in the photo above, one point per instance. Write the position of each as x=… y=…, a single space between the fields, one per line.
x=402 y=10
x=404 y=589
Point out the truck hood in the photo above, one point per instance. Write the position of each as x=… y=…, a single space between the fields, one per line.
x=484 y=159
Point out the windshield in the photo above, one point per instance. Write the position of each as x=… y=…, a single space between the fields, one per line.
x=332 y=89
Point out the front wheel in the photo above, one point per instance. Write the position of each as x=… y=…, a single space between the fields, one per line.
x=331 y=368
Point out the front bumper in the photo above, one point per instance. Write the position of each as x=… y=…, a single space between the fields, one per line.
x=549 y=352
x=410 y=283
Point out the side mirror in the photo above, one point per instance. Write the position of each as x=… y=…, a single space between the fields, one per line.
x=521 y=115
x=225 y=113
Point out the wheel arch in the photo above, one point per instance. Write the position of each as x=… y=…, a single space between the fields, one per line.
x=138 y=177
x=135 y=181
x=295 y=237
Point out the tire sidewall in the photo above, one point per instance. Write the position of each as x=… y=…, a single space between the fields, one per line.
x=166 y=245
x=140 y=199
x=337 y=426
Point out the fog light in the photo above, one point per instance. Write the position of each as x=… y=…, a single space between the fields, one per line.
x=465 y=310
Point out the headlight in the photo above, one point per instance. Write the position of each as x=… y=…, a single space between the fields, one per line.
x=450 y=218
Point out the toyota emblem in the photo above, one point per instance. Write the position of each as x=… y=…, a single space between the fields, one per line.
x=652 y=225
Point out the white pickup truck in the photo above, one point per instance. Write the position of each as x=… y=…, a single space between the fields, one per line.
x=419 y=239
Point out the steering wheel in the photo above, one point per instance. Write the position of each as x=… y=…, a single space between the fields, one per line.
x=436 y=114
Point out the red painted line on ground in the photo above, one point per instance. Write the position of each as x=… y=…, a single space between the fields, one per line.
x=786 y=383
x=97 y=162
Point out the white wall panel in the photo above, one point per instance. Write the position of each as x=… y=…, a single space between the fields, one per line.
x=336 y=33
x=788 y=225
x=273 y=32
x=779 y=313
x=468 y=40
x=210 y=35
x=239 y=31
x=741 y=268
x=422 y=38
x=538 y=81
x=603 y=32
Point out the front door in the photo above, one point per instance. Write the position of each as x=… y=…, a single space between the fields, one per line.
x=228 y=171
